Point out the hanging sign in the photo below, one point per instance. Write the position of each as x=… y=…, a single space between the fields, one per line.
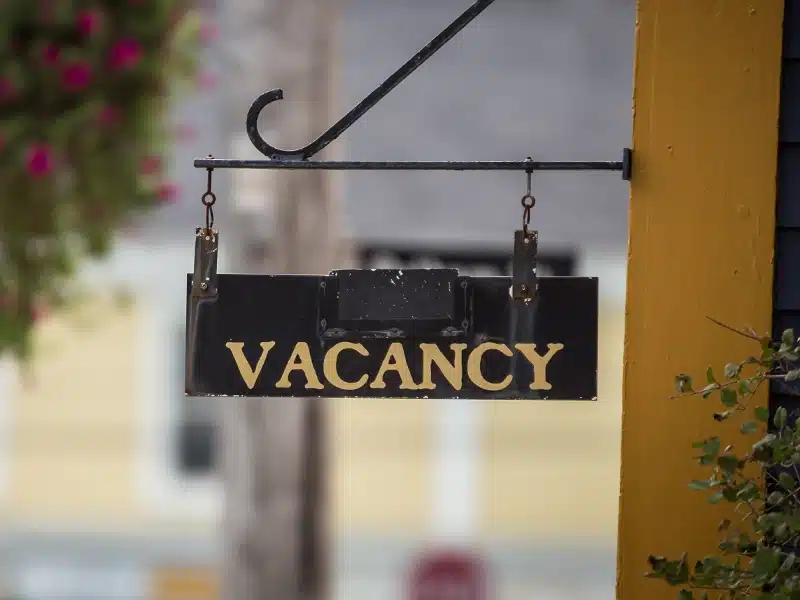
x=391 y=333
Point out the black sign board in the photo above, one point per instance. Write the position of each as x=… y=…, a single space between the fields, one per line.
x=415 y=333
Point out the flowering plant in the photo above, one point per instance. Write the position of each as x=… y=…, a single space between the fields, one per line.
x=84 y=87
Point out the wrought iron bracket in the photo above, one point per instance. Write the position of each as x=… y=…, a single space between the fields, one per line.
x=298 y=158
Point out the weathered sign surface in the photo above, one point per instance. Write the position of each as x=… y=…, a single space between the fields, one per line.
x=418 y=333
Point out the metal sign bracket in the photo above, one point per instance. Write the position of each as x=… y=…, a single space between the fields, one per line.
x=298 y=158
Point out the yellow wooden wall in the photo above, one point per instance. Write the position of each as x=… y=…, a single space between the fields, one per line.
x=702 y=211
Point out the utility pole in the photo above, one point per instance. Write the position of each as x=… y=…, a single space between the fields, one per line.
x=273 y=459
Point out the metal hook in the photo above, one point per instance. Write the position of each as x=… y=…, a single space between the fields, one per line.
x=527 y=201
x=208 y=199
x=362 y=107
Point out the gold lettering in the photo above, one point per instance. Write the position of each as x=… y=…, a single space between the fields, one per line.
x=249 y=375
x=474 y=367
x=453 y=372
x=539 y=363
x=329 y=366
x=300 y=360
x=395 y=360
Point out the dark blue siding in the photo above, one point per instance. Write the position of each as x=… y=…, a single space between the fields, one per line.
x=786 y=304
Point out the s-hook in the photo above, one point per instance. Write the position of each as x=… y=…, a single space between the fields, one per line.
x=524 y=289
x=204 y=282
x=527 y=201
x=298 y=158
x=524 y=282
x=209 y=198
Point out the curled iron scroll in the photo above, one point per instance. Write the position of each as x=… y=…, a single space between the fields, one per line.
x=266 y=149
x=362 y=107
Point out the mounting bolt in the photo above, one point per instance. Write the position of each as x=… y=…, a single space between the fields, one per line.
x=627 y=163
x=204 y=286
x=323 y=324
x=464 y=284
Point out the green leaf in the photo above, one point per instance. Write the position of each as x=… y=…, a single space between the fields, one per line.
x=767 y=355
x=786 y=481
x=749 y=492
x=766 y=562
x=775 y=498
x=793 y=375
x=749 y=427
x=762 y=414
x=710 y=376
x=779 y=420
x=708 y=390
x=744 y=388
x=700 y=484
x=787 y=337
x=729 y=396
x=731 y=492
x=685 y=595
x=657 y=563
x=710 y=448
x=728 y=463
x=789 y=562
x=732 y=370
x=716 y=497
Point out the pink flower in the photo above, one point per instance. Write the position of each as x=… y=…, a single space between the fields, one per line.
x=168 y=192
x=39 y=160
x=38 y=311
x=7 y=89
x=207 y=81
x=208 y=32
x=109 y=116
x=125 y=54
x=150 y=165
x=50 y=54
x=88 y=22
x=185 y=133
x=76 y=76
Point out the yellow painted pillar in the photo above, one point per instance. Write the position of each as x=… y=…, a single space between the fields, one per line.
x=702 y=222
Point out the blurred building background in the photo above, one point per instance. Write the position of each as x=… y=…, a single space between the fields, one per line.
x=107 y=485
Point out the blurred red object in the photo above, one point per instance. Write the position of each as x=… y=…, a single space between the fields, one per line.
x=448 y=575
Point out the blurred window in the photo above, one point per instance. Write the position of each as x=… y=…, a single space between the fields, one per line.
x=196 y=423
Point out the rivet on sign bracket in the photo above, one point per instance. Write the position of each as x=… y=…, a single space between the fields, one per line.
x=298 y=158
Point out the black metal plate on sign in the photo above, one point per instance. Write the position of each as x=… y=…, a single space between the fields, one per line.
x=419 y=333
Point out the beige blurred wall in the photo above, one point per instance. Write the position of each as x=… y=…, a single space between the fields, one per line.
x=551 y=469
x=75 y=444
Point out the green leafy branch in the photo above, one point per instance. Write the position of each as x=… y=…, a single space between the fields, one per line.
x=756 y=556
